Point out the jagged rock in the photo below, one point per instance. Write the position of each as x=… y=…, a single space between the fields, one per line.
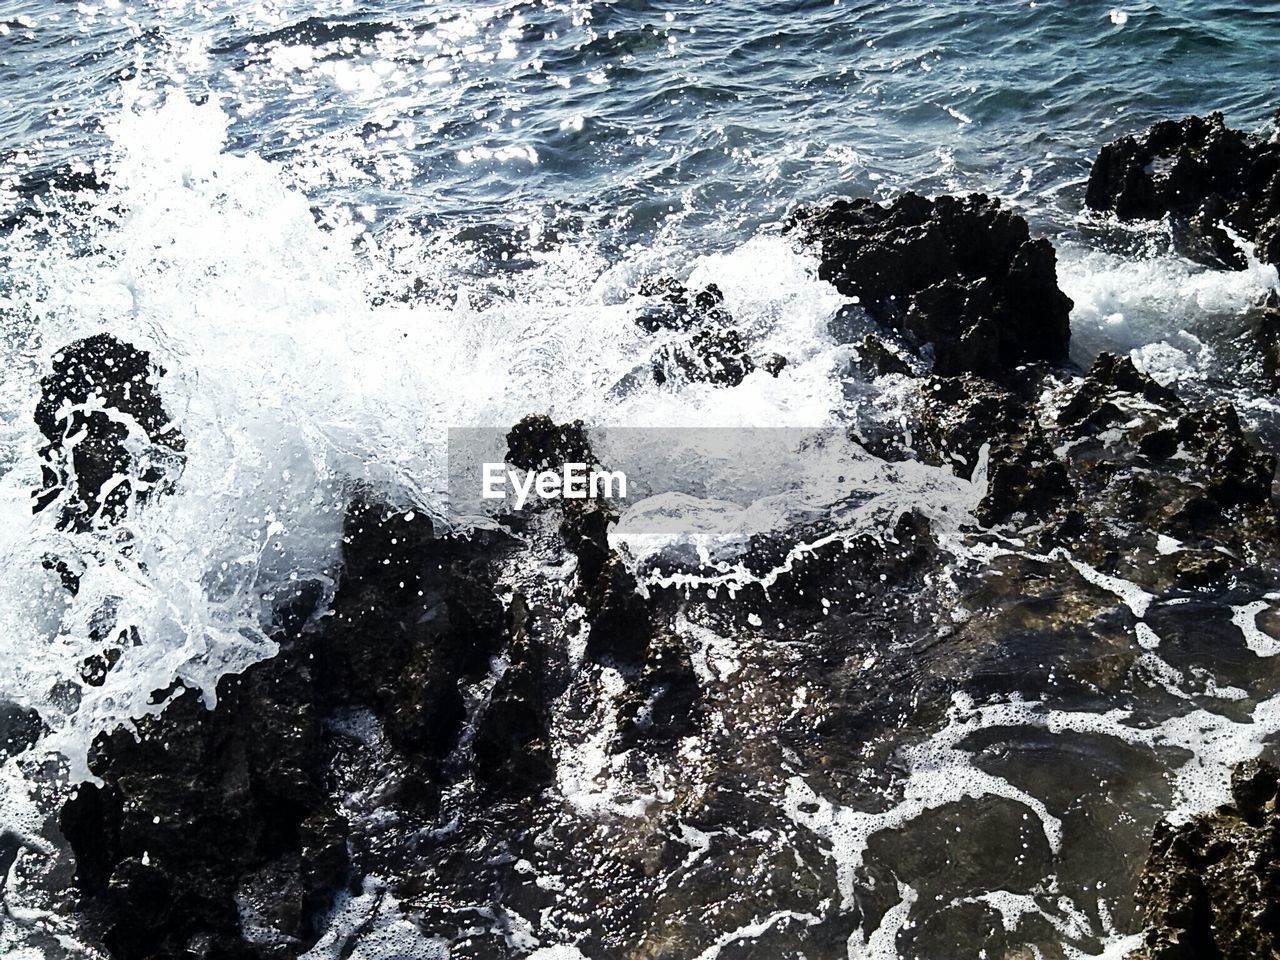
x=618 y=616
x=1092 y=410
x=1236 y=473
x=963 y=414
x=1268 y=338
x=666 y=703
x=512 y=750
x=874 y=357
x=1211 y=887
x=415 y=615
x=101 y=391
x=710 y=356
x=1202 y=174
x=616 y=612
x=19 y=728
x=962 y=275
x=197 y=806
x=537 y=442
x=675 y=309
x=715 y=352
x=774 y=364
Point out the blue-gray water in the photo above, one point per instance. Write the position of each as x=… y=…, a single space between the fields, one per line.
x=715 y=115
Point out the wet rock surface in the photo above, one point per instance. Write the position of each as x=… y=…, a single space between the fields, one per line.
x=959 y=274
x=713 y=352
x=1211 y=887
x=525 y=736
x=1202 y=174
x=100 y=394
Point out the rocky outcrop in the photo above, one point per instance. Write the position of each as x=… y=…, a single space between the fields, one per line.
x=101 y=393
x=1267 y=336
x=1211 y=886
x=1206 y=177
x=969 y=419
x=214 y=831
x=1201 y=473
x=961 y=275
x=715 y=351
x=208 y=814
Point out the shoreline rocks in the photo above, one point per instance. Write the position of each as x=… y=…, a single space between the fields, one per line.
x=1204 y=176
x=1211 y=886
x=432 y=686
x=961 y=275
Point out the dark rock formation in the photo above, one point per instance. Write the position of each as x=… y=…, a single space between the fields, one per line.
x=964 y=415
x=709 y=356
x=715 y=352
x=1268 y=338
x=960 y=274
x=19 y=729
x=666 y=704
x=672 y=307
x=212 y=816
x=100 y=392
x=537 y=442
x=1203 y=175
x=1211 y=887
x=512 y=752
x=1201 y=472
x=207 y=812
x=617 y=614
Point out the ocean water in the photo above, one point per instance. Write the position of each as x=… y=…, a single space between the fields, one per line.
x=343 y=230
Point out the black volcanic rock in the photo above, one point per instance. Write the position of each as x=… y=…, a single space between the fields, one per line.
x=1203 y=175
x=617 y=614
x=537 y=442
x=967 y=413
x=1267 y=337
x=100 y=390
x=19 y=728
x=1091 y=409
x=201 y=805
x=715 y=351
x=214 y=831
x=1211 y=887
x=960 y=274
x=512 y=750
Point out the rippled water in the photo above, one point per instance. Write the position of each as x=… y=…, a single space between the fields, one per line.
x=633 y=115
x=345 y=230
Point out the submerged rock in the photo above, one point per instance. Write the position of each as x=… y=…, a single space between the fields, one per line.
x=715 y=352
x=1211 y=886
x=962 y=275
x=1205 y=176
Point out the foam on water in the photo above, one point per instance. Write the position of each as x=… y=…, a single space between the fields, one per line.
x=1168 y=313
x=290 y=387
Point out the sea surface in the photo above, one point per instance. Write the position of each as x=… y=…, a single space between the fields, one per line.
x=345 y=228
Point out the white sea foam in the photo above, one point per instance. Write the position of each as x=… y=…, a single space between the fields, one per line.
x=1124 y=305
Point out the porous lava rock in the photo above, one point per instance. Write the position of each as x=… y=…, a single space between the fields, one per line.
x=100 y=393
x=714 y=351
x=1211 y=886
x=959 y=274
x=1204 y=176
